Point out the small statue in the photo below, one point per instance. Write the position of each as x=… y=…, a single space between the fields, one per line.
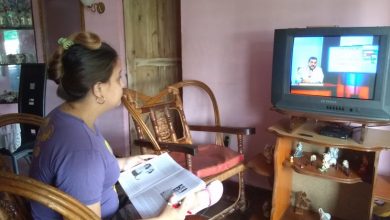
x=313 y=159
x=324 y=215
x=363 y=169
x=268 y=153
x=266 y=209
x=301 y=202
x=345 y=167
x=325 y=162
x=334 y=154
x=298 y=150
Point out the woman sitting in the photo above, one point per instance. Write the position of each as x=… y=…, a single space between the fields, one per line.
x=71 y=153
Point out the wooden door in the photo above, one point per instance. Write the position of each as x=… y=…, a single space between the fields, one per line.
x=153 y=45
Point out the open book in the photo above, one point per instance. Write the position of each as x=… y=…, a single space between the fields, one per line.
x=150 y=185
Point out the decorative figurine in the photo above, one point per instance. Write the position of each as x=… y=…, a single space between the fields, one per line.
x=267 y=209
x=334 y=154
x=299 y=150
x=301 y=202
x=325 y=162
x=268 y=153
x=345 y=167
x=324 y=215
x=363 y=166
x=313 y=159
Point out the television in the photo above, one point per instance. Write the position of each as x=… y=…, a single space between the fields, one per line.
x=339 y=73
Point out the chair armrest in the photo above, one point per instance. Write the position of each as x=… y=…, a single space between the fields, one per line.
x=183 y=148
x=223 y=129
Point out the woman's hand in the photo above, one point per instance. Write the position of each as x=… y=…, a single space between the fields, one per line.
x=129 y=162
x=178 y=213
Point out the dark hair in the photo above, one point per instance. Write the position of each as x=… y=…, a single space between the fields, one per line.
x=312 y=58
x=80 y=66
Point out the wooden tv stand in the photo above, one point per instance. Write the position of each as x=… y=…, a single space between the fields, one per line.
x=345 y=196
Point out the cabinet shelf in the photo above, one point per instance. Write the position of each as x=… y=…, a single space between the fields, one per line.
x=7 y=64
x=333 y=190
x=307 y=215
x=302 y=165
x=17 y=28
x=382 y=188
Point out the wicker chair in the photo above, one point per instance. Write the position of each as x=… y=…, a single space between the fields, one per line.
x=25 y=120
x=161 y=125
x=15 y=189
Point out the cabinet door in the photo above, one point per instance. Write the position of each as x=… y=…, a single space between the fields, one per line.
x=17 y=45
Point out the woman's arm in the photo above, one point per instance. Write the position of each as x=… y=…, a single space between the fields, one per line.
x=96 y=208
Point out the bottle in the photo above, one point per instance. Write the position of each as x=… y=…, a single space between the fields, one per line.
x=226 y=141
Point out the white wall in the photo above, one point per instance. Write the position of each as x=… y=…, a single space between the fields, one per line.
x=228 y=44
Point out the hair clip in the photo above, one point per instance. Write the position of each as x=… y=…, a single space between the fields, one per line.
x=65 y=42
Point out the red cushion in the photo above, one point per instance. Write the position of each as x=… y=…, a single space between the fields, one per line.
x=211 y=160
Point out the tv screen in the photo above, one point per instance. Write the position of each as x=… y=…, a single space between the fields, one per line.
x=337 y=66
x=333 y=72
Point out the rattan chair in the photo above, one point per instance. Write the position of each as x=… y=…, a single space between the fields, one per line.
x=25 y=120
x=161 y=124
x=15 y=189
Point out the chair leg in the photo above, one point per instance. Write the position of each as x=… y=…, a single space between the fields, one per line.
x=28 y=159
x=15 y=165
x=239 y=203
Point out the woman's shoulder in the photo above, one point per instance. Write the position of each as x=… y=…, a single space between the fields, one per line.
x=63 y=126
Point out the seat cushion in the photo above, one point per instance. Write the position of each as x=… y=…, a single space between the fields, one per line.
x=211 y=160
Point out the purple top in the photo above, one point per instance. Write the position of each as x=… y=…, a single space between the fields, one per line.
x=74 y=158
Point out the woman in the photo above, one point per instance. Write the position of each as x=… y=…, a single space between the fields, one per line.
x=70 y=152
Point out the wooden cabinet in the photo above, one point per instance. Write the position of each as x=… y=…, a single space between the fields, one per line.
x=345 y=195
x=17 y=37
x=382 y=188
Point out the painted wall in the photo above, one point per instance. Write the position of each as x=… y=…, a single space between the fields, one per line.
x=109 y=26
x=228 y=44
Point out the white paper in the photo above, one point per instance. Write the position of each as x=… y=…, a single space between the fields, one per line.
x=150 y=185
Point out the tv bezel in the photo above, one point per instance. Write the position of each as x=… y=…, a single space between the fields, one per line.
x=376 y=110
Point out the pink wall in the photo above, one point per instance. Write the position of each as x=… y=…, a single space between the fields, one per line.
x=228 y=44
x=109 y=25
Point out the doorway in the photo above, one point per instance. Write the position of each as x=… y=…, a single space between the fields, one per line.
x=153 y=46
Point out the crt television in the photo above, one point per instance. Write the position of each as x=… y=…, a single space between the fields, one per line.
x=333 y=72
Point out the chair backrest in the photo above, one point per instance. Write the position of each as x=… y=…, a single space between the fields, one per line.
x=21 y=118
x=14 y=189
x=30 y=121
x=161 y=118
x=32 y=90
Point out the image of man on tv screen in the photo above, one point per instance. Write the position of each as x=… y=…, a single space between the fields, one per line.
x=310 y=74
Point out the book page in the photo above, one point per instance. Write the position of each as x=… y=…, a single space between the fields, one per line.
x=151 y=184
